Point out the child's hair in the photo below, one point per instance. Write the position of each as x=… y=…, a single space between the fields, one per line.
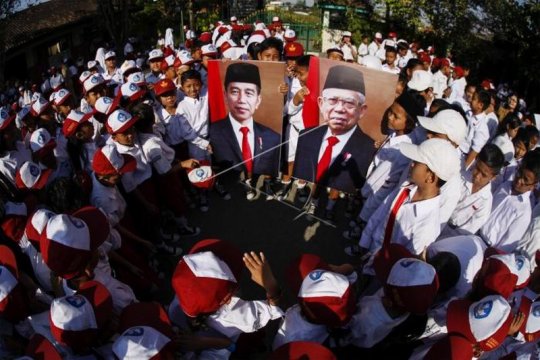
x=145 y=116
x=253 y=50
x=510 y=121
x=190 y=75
x=484 y=98
x=391 y=49
x=493 y=97
x=271 y=43
x=402 y=46
x=448 y=270
x=531 y=162
x=522 y=136
x=303 y=61
x=492 y=156
x=64 y=195
x=532 y=131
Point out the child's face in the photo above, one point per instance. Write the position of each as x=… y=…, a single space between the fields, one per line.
x=110 y=180
x=182 y=69
x=390 y=57
x=85 y=132
x=533 y=142
x=155 y=65
x=519 y=150
x=192 y=88
x=126 y=138
x=64 y=109
x=197 y=54
x=302 y=74
x=270 y=54
x=92 y=96
x=168 y=99
x=397 y=117
x=170 y=73
x=469 y=93
x=524 y=181
x=334 y=55
x=476 y=105
x=420 y=174
x=482 y=174
x=402 y=52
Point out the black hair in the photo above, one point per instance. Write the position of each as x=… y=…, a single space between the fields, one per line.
x=440 y=182
x=484 y=98
x=510 y=121
x=495 y=98
x=522 y=136
x=492 y=156
x=271 y=43
x=402 y=46
x=531 y=162
x=190 y=75
x=64 y=195
x=303 y=61
x=253 y=50
x=532 y=131
x=145 y=116
x=391 y=49
x=440 y=104
x=448 y=270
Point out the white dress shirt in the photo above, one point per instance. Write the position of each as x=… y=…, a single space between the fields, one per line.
x=477 y=134
x=472 y=210
x=458 y=89
x=440 y=83
x=337 y=148
x=109 y=200
x=509 y=219
x=373 y=47
x=392 y=70
x=492 y=124
x=294 y=327
x=143 y=171
x=240 y=135
x=178 y=129
x=157 y=153
x=196 y=113
x=529 y=242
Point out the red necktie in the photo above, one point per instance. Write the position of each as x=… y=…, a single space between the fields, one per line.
x=403 y=195
x=326 y=158
x=246 y=149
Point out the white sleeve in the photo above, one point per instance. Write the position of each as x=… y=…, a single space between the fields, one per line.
x=366 y=240
x=477 y=220
x=155 y=156
x=481 y=137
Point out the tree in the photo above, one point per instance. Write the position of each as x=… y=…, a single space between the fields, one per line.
x=114 y=15
x=6 y=10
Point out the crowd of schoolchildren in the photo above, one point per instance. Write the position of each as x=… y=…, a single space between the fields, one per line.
x=443 y=234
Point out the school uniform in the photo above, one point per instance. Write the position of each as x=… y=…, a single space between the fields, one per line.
x=384 y=173
x=458 y=89
x=416 y=224
x=373 y=47
x=196 y=113
x=472 y=210
x=492 y=124
x=41 y=270
x=477 y=133
x=109 y=200
x=158 y=154
x=363 y=50
x=114 y=78
x=143 y=172
x=509 y=219
x=440 y=83
x=295 y=327
x=178 y=130
x=348 y=51
x=528 y=243
x=393 y=70
x=403 y=60
x=296 y=120
x=151 y=78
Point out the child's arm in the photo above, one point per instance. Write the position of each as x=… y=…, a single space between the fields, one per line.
x=262 y=274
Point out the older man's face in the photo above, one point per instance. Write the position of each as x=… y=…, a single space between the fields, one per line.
x=242 y=99
x=341 y=109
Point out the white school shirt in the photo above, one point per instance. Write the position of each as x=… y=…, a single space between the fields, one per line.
x=477 y=133
x=509 y=219
x=122 y=295
x=115 y=77
x=492 y=123
x=440 y=83
x=294 y=327
x=363 y=50
x=371 y=324
x=348 y=50
x=373 y=47
x=196 y=113
x=109 y=200
x=296 y=120
x=178 y=130
x=507 y=173
x=158 y=154
x=529 y=243
x=240 y=135
x=386 y=168
x=449 y=194
x=151 y=78
x=392 y=70
x=41 y=270
x=416 y=226
x=403 y=60
x=143 y=171
x=458 y=89
x=472 y=210
x=338 y=148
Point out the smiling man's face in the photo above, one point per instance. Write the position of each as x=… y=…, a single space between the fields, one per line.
x=341 y=109
x=242 y=99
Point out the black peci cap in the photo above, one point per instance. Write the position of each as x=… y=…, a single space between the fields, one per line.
x=346 y=78
x=243 y=72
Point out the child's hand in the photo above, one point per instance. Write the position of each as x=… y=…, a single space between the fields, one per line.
x=283 y=88
x=260 y=270
x=300 y=95
x=518 y=320
x=209 y=149
x=189 y=164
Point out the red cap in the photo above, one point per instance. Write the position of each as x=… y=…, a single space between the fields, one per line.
x=458 y=70
x=444 y=62
x=40 y=348
x=30 y=176
x=5 y=118
x=424 y=57
x=73 y=120
x=384 y=260
x=293 y=49
x=202 y=177
x=108 y=161
x=97 y=223
x=450 y=347
x=13 y=299
x=207 y=276
x=164 y=86
x=392 y=34
x=300 y=267
x=205 y=37
x=497 y=276
x=302 y=350
x=35 y=225
x=146 y=314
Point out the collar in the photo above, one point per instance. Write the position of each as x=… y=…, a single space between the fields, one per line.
x=236 y=124
x=423 y=207
x=343 y=137
x=192 y=100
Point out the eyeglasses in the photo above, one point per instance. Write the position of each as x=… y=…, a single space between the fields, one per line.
x=347 y=103
x=520 y=175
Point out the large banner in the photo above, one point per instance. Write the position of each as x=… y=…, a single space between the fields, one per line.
x=349 y=102
x=245 y=94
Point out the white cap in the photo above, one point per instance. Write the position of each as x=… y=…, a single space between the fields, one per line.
x=289 y=34
x=140 y=342
x=420 y=80
x=155 y=54
x=208 y=49
x=233 y=18
x=84 y=75
x=524 y=269
x=275 y=19
x=39 y=139
x=346 y=33
x=91 y=64
x=105 y=105
x=506 y=146
x=137 y=78
x=93 y=81
x=378 y=35
x=448 y=122
x=438 y=154
x=372 y=62
x=109 y=54
x=60 y=96
x=127 y=65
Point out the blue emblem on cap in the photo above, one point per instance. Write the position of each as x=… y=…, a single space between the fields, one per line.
x=122 y=117
x=107 y=100
x=136 y=331
x=316 y=274
x=133 y=87
x=200 y=173
x=94 y=79
x=41 y=139
x=76 y=300
x=34 y=170
x=3 y=114
x=78 y=223
x=62 y=93
x=536 y=311
x=406 y=263
x=483 y=309
x=519 y=263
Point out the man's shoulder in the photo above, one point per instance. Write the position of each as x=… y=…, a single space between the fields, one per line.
x=265 y=130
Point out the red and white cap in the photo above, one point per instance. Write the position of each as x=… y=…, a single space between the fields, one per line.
x=412 y=285
x=300 y=267
x=84 y=75
x=39 y=106
x=531 y=326
x=5 y=118
x=164 y=86
x=75 y=320
x=378 y=35
x=209 y=50
x=234 y=18
x=498 y=276
x=31 y=177
x=56 y=83
x=167 y=62
x=258 y=36
x=450 y=347
x=91 y=64
x=41 y=142
x=290 y=35
x=202 y=177
x=523 y=271
x=73 y=120
x=131 y=91
x=142 y=343
x=485 y=322
x=92 y=81
x=67 y=242
x=23 y=113
x=61 y=96
x=128 y=66
x=35 y=225
x=229 y=50
x=205 y=37
x=109 y=55
x=207 y=276
x=119 y=121
x=276 y=19
x=329 y=298
x=39 y=347
x=297 y=350
x=184 y=57
x=137 y=78
x=108 y=161
x=105 y=105
x=155 y=54
x=13 y=301
x=146 y=314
